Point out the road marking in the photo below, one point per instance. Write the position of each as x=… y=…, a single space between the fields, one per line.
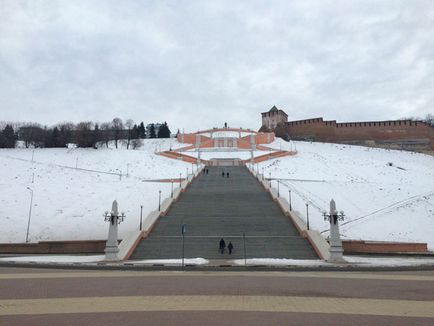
x=108 y=274
x=377 y=307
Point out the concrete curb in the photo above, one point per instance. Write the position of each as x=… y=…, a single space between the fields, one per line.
x=130 y=266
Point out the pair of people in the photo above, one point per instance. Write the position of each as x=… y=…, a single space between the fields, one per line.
x=222 y=247
x=227 y=174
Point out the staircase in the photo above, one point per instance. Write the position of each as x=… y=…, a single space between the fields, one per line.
x=216 y=207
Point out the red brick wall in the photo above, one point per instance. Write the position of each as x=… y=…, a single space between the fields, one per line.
x=356 y=246
x=378 y=131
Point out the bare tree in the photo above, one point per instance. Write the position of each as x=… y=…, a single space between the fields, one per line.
x=84 y=133
x=129 y=124
x=117 y=127
x=106 y=132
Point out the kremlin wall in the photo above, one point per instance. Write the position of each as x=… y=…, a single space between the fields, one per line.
x=394 y=134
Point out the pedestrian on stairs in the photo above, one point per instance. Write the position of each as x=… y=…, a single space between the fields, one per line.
x=227 y=174
x=222 y=246
x=230 y=247
x=223 y=174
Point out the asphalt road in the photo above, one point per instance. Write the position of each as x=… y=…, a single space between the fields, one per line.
x=62 y=297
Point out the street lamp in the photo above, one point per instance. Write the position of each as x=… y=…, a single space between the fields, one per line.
x=159 y=200
x=290 y=205
x=278 y=188
x=171 y=192
x=141 y=217
x=307 y=215
x=263 y=174
x=180 y=175
x=30 y=213
x=187 y=175
x=270 y=178
x=120 y=174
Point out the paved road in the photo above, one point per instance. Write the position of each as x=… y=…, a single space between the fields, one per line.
x=61 y=297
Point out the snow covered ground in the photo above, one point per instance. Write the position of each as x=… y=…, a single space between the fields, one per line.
x=386 y=195
x=69 y=203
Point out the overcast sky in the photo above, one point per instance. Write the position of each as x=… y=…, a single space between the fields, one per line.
x=197 y=64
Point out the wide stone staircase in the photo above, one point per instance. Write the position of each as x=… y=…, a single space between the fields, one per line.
x=236 y=209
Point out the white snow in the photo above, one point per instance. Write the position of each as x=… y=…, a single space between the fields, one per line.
x=350 y=260
x=69 y=203
x=55 y=259
x=381 y=202
x=187 y=261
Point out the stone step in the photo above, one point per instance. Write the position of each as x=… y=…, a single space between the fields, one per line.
x=214 y=207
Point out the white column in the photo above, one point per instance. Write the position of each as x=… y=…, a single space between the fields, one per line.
x=111 y=248
x=336 y=249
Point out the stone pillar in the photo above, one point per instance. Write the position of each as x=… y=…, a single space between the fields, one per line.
x=336 y=249
x=225 y=142
x=111 y=247
x=253 y=142
x=198 y=141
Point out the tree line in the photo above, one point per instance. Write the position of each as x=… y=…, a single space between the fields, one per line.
x=82 y=134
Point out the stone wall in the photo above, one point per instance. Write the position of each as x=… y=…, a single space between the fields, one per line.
x=404 y=134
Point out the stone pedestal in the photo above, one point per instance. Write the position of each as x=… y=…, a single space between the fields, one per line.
x=111 y=248
x=336 y=249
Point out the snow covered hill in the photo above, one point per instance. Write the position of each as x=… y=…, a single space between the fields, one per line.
x=385 y=194
x=68 y=203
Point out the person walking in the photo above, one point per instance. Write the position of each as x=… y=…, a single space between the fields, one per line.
x=222 y=246
x=230 y=247
x=227 y=175
x=223 y=174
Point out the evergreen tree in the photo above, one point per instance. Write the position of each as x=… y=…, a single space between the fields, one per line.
x=8 y=137
x=152 y=131
x=54 y=138
x=141 y=130
x=164 y=131
x=96 y=136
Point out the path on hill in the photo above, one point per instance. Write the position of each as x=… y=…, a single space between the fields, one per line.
x=215 y=207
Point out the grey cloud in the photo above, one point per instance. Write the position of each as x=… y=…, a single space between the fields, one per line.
x=197 y=64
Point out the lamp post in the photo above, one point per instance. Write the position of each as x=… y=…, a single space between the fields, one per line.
x=290 y=205
x=159 y=200
x=187 y=175
x=171 y=192
x=30 y=213
x=141 y=217
x=278 y=188
x=180 y=180
x=307 y=215
x=270 y=178
x=262 y=174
